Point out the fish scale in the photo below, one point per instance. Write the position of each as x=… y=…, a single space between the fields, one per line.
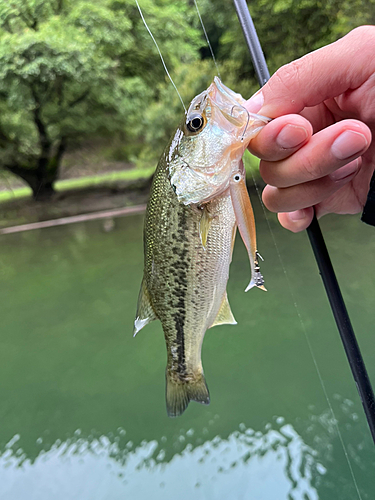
x=190 y=224
x=182 y=269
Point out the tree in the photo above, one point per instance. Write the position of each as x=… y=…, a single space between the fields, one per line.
x=70 y=69
x=287 y=29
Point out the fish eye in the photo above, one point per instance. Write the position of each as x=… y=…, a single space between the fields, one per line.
x=237 y=177
x=195 y=123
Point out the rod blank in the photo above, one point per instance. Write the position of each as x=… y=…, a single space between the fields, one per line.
x=318 y=245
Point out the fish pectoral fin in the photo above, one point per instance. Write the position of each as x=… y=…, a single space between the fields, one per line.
x=145 y=312
x=204 y=226
x=225 y=315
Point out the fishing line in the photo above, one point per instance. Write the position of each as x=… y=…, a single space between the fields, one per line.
x=207 y=39
x=322 y=258
x=303 y=327
x=335 y=421
x=161 y=57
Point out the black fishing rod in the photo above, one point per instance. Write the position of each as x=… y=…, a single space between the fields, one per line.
x=322 y=257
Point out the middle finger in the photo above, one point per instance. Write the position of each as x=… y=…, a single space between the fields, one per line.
x=324 y=153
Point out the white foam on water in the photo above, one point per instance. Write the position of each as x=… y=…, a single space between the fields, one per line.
x=276 y=465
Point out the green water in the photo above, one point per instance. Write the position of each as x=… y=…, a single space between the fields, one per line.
x=82 y=412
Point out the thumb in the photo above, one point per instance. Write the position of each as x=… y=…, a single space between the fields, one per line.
x=325 y=73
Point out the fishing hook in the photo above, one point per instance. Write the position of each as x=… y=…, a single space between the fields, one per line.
x=247 y=121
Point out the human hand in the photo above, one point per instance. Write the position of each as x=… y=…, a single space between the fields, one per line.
x=318 y=151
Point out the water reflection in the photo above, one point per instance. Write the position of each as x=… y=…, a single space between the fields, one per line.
x=275 y=464
x=68 y=361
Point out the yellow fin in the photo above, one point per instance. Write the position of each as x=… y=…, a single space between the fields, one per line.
x=204 y=226
x=145 y=312
x=225 y=315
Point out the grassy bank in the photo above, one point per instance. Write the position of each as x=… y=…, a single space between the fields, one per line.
x=82 y=183
x=86 y=194
x=106 y=179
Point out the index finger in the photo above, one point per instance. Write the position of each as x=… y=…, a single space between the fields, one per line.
x=281 y=137
x=323 y=74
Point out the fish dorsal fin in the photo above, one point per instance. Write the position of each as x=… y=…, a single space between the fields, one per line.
x=204 y=226
x=145 y=312
x=225 y=315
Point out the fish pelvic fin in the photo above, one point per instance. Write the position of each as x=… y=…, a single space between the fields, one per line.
x=225 y=315
x=179 y=393
x=145 y=312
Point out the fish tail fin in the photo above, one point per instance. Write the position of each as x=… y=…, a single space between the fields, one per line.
x=179 y=393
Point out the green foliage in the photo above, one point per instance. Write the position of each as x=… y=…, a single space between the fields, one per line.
x=70 y=69
x=287 y=29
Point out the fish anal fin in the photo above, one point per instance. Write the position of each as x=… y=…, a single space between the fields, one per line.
x=145 y=312
x=204 y=225
x=225 y=315
x=179 y=393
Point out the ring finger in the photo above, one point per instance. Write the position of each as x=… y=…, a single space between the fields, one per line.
x=310 y=193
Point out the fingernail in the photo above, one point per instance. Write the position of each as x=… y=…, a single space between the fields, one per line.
x=291 y=136
x=345 y=171
x=348 y=144
x=255 y=102
x=297 y=215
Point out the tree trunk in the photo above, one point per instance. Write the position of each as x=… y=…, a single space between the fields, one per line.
x=43 y=191
x=41 y=178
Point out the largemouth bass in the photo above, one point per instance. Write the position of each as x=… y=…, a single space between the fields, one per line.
x=198 y=198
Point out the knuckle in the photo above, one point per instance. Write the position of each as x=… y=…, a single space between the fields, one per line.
x=363 y=32
x=271 y=199
x=265 y=171
x=288 y=81
x=310 y=169
x=288 y=76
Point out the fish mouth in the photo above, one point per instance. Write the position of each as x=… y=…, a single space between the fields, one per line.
x=217 y=146
x=231 y=106
x=229 y=109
